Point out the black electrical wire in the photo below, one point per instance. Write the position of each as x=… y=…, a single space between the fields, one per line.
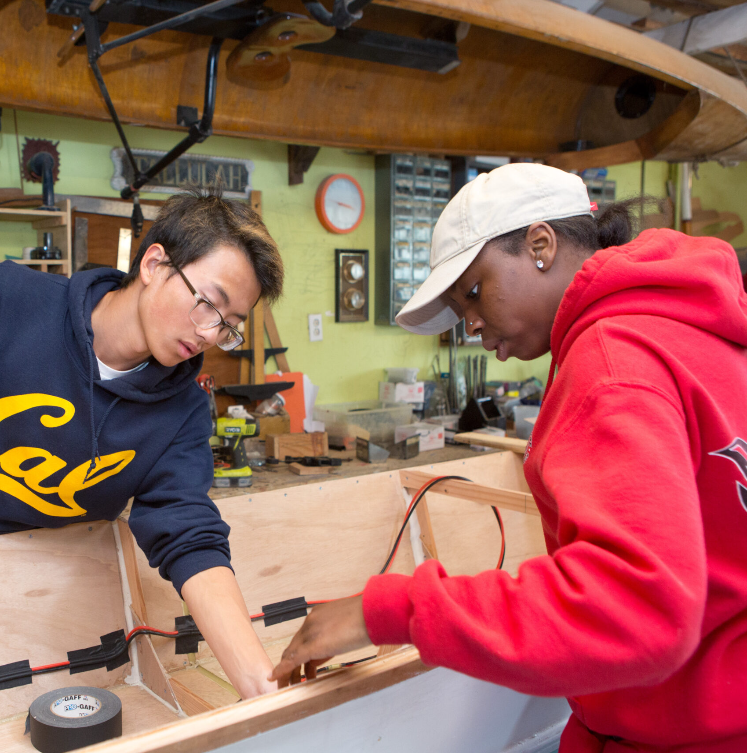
x=421 y=493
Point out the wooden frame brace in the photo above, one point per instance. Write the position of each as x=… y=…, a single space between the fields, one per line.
x=506 y=499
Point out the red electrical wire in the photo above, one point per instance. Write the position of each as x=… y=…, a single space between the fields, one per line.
x=154 y=630
x=51 y=666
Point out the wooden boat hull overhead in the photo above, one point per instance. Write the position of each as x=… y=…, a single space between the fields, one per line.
x=535 y=79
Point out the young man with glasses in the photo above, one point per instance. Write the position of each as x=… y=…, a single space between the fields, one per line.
x=98 y=402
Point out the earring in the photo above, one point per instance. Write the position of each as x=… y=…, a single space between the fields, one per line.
x=540 y=264
x=470 y=324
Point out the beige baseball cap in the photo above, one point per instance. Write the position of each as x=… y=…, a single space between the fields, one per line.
x=493 y=204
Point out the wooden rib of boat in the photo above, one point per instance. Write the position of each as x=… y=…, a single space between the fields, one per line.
x=65 y=588
x=534 y=76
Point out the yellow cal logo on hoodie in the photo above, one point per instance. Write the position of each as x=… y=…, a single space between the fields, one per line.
x=76 y=480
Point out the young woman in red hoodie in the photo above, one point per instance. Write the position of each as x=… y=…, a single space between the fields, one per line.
x=637 y=462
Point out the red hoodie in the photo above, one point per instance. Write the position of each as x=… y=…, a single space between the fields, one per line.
x=638 y=464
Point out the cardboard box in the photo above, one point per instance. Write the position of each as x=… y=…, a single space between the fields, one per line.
x=431 y=435
x=399 y=392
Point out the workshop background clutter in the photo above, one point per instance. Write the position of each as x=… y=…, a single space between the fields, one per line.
x=346 y=363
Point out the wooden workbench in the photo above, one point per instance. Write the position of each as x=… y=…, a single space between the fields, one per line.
x=281 y=476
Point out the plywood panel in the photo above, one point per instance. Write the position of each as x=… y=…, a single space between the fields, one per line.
x=152 y=674
x=62 y=592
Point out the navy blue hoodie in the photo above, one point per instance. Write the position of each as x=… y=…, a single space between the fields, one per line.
x=147 y=432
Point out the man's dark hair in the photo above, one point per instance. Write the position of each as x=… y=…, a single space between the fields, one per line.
x=190 y=225
x=615 y=226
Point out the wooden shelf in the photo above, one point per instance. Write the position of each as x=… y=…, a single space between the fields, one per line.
x=29 y=215
x=58 y=222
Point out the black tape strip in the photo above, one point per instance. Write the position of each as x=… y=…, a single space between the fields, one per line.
x=187 y=642
x=112 y=653
x=14 y=675
x=71 y=718
x=282 y=611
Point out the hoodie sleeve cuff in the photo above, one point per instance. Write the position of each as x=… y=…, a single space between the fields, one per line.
x=182 y=569
x=387 y=609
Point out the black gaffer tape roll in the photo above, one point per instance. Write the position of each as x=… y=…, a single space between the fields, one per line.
x=71 y=718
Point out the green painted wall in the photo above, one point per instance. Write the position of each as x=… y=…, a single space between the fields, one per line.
x=717 y=187
x=348 y=363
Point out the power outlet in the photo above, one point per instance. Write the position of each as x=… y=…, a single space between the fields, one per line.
x=315 y=327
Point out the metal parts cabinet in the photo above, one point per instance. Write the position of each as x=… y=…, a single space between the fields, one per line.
x=411 y=193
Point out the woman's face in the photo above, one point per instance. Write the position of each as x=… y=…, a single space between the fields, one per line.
x=509 y=300
x=224 y=277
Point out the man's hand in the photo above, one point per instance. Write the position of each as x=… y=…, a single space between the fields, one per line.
x=330 y=629
x=215 y=601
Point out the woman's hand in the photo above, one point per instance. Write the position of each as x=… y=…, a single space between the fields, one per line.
x=330 y=629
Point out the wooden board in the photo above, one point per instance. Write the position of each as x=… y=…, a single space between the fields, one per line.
x=132 y=570
x=490 y=440
x=199 y=683
x=311 y=470
x=296 y=445
x=281 y=476
x=243 y=720
x=490 y=496
x=103 y=236
x=62 y=592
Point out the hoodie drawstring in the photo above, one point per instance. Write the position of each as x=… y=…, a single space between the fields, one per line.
x=95 y=432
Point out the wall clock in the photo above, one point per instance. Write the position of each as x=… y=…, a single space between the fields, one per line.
x=339 y=203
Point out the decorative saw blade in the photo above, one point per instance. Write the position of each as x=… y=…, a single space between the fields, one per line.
x=32 y=147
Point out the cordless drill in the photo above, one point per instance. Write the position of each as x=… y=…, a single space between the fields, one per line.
x=233 y=431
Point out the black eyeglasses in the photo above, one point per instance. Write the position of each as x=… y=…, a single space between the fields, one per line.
x=205 y=316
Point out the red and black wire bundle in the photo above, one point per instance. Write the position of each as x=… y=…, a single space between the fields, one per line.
x=112 y=652
x=134 y=633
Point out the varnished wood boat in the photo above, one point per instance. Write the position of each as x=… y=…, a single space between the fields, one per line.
x=535 y=79
x=66 y=588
